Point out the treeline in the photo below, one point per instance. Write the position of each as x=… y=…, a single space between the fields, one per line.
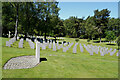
x=41 y=18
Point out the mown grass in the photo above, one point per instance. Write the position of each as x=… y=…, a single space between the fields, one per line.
x=62 y=65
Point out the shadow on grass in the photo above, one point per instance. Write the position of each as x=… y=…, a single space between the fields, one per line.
x=111 y=44
x=43 y=59
x=118 y=49
x=99 y=41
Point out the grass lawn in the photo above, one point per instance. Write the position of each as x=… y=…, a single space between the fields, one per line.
x=62 y=65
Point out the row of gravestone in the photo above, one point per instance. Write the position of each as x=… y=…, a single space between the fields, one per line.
x=10 y=42
x=55 y=46
x=20 y=45
x=103 y=50
x=30 y=43
x=41 y=40
x=90 y=48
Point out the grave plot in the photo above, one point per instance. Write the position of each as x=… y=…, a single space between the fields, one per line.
x=21 y=62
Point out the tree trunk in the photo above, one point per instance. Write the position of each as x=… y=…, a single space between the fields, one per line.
x=100 y=38
x=45 y=36
x=55 y=39
x=16 y=22
x=25 y=36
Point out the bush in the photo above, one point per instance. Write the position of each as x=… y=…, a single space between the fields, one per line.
x=60 y=42
x=76 y=40
x=110 y=36
x=88 y=40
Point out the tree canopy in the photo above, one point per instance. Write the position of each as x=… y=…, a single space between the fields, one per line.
x=42 y=19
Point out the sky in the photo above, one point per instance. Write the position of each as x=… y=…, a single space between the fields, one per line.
x=85 y=9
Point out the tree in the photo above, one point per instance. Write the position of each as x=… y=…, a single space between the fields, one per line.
x=48 y=14
x=91 y=30
x=16 y=6
x=59 y=29
x=101 y=20
x=110 y=36
x=118 y=42
x=113 y=25
x=8 y=18
x=28 y=18
x=73 y=26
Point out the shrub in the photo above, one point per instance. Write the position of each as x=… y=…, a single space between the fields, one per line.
x=110 y=36
x=60 y=42
x=77 y=40
x=88 y=40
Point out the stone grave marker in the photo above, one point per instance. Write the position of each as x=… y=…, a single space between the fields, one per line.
x=81 y=48
x=37 y=55
x=114 y=51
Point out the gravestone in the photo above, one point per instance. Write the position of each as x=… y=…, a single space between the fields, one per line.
x=50 y=45
x=74 y=50
x=9 y=34
x=111 y=53
x=37 y=55
x=21 y=43
x=43 y=46
x=64 y=49
x=81 y=48
x=65 y=44
x=118 y=53
x=102 y=51
x=54 y=46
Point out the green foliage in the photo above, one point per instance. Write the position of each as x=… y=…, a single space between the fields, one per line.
x=41 y=18
x=77 y=40
x=91 y=30
x=101 y=20
x=110 y=36
x=118 y=41
x=88 y=40
x=32 y=16
x=73 y=26
x=113 y=25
